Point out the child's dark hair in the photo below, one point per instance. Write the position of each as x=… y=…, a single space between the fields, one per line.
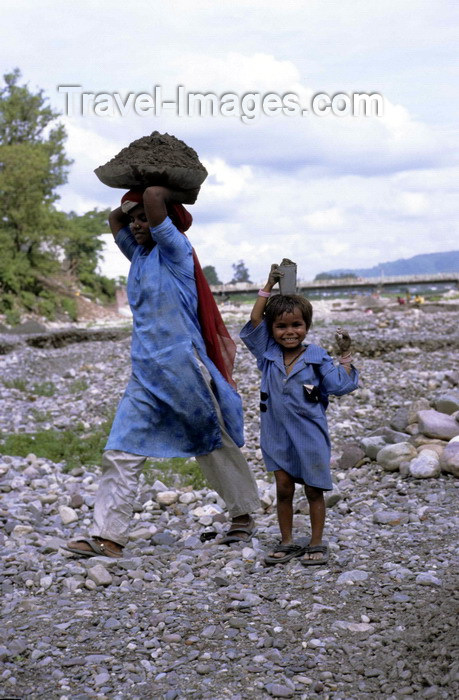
x=281 y=304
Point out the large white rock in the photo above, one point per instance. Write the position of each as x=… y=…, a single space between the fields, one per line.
x=68 y=515
x=188 y=497
x=426 y=465
x=437 y=425
x=391 y=456
x=166 y=498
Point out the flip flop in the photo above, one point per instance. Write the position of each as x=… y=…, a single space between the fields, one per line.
x=289 y=550
x=318 y=548
x=237 y=533
x=98 y=549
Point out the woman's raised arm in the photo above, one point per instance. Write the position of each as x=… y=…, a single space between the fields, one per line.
x=117 y=220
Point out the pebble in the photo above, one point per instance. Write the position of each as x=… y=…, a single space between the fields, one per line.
x=68 y=515
x=279 y=691
x=390 y=517
x=352 y=576
x=353 y=626
x=197 y=619
x=100 y=575
x=351 y=455
x=372 y=445
x=101 y=679
x=427 y=579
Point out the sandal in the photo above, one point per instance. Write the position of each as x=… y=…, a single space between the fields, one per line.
x=239 y=533
x=98 y=549
x=318 y=548
x=289 y=551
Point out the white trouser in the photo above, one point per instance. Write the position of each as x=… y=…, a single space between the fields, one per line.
x=225 y=469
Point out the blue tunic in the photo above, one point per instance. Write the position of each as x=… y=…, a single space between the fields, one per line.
x=294 y=431
x=167 y=409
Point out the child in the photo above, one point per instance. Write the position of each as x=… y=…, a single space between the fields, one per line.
x=296 y=380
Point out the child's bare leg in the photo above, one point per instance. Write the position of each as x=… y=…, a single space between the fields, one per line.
x=285 y=489
x=317 y=516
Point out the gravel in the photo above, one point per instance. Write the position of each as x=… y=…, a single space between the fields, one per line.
x=178 y=618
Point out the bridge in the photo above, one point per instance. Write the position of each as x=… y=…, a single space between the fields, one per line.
x=348 y=284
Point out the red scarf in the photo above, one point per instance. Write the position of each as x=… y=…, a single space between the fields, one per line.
x=220 y=347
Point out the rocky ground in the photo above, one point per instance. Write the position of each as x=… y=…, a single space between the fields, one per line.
x=177 y=618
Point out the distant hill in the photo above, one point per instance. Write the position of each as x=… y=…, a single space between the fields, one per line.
x=429 y=263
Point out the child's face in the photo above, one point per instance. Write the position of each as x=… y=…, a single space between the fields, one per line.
x=140 y=227
x=289 y=329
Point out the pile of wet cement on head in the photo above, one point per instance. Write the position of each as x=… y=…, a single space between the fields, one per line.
x=158 y=159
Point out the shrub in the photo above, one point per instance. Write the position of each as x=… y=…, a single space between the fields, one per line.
x=44 y=389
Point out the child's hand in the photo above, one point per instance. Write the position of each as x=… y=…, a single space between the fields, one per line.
x=343 y=340
x=274 y=275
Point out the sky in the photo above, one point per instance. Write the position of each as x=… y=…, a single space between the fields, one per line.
x=331 y=191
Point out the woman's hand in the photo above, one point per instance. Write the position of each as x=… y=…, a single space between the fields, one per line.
x=117 y=220
x=154 y=202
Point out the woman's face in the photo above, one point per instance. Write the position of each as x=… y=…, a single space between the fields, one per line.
x=140 y=227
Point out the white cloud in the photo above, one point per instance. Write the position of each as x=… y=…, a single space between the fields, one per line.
x=325 y=219
x=240 y=72
x=328 y=192
x=113 y=263
x=224 y=183
x=413 y=203
x=334 y=247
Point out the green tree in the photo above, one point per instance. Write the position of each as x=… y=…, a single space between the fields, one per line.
x=25 y=118
x=82 y=245
x=34 y=236
x=32 y=165
x=240 y=273
x=83 y=249
x=211 y=275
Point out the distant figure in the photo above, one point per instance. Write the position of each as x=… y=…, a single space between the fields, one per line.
x=295 y=384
